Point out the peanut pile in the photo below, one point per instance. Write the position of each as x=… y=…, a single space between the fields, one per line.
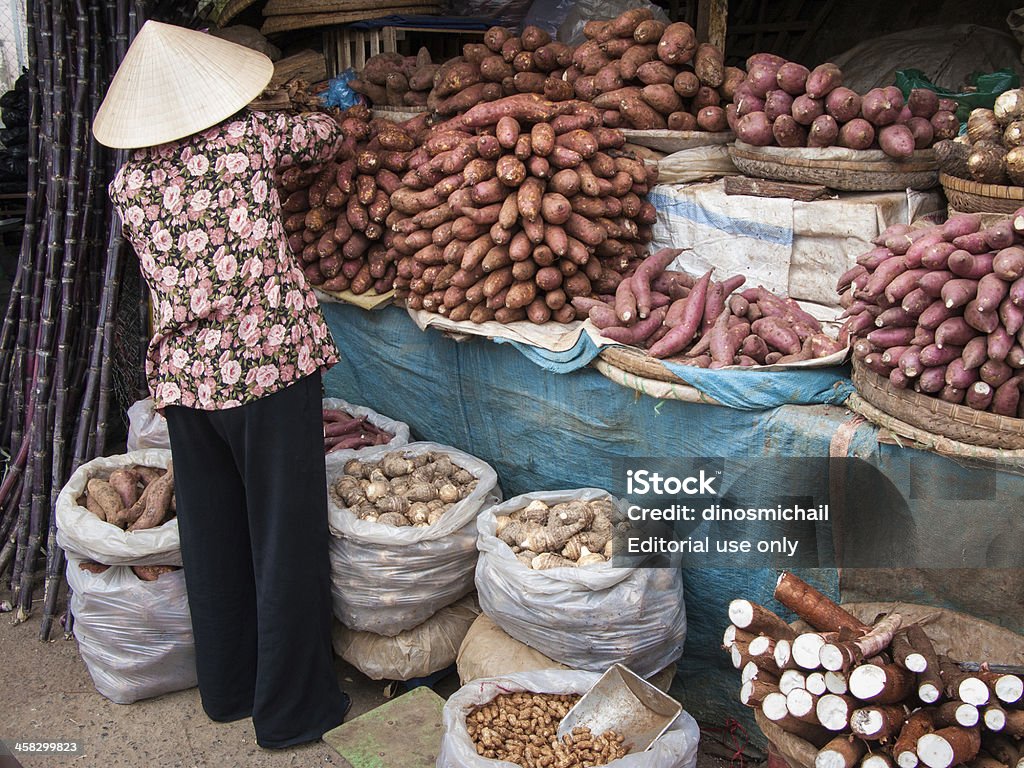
x=521 y=728
x=567 y=535
x=402 y=490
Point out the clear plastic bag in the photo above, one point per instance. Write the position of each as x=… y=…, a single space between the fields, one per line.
x=676 y=748
x=81 y=533
x=586 y=618
x=135 y=636
x=399 y=429
x=574 y=15
x=385 y=579
x=417 y=652
x=146 y=427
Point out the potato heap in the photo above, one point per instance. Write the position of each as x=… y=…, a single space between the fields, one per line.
x=781 y=102
x=401 y=490
x=335 y=215
x=143 y=572
x=647 y=75
x=393 y=80
x=567 y=535
x=992 y=151
x=512 y=209
x=132 y=498
x=521 y=728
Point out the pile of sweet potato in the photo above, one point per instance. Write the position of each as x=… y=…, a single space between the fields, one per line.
x=335 y=214
x=647 y=75
x=143 y=572
x=940 y=310
x=343 y=431
x=390 y=79
x=784 y=103
x=517 y=206
x=709 y=324
x=132 y=498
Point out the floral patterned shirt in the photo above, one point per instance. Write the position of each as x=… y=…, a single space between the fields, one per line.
x=235 y=319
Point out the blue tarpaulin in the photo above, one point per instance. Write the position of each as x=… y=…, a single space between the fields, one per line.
x=543 y=431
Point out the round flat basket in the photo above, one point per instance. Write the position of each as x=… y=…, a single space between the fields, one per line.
x=396 y=114
x=846 y=169
x=972 y=197
x=636 y=362
x=677 y=141
x=958 y=422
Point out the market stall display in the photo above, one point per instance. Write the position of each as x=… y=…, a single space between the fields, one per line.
x=841 y=691
x=516 y=207
x=936 y=310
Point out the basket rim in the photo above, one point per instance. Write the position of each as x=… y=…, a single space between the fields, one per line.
x=971 y=187
x=869 y=160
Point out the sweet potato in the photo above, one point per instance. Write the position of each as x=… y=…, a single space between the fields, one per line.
x=712 y=119
x=654 y=72
x=824 y=132
x=792 y=78
x=640 y=115
x=787 y=132
x=896 y=141
x=709 y=65
x=755 y=129
x=682 y=121
x=761 y=78
x=1008 y=263
x=945 y=125
x=678 y=43
x=878 y=107
x=686 y=84
x=806 y=110
x=661 y=97
x=822 y=80
x=649 y=31
x=677 y=339
x=777 y=102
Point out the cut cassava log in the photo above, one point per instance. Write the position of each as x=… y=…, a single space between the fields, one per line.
x=813 y=607
x=801 y=704
x=904 y=751
x=876 y=760
x=881 y=683
x=912 y=649
x=834 y=710
x=1009 y=689
x=994 y=717
x=757 y=619
x=955 y=713
x=947 y=747
x=751 y=671
x=807 y=647
x=790 y=679
x=839 y=656
x=930 y=685
x=732 y=634
x=784 y=654
x=753 y=693
x=816 y=683
x=878 y=723
x=841 y=752
x=835 y=682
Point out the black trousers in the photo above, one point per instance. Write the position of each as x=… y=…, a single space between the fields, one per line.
x=251 y=496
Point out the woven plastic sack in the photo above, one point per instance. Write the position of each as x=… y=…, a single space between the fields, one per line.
x=417 y=652
x=399 y=429
x=146 y=427
x=81 y=533
x=385 y=579
x=676 y=748
x=586 y=618
x=135 y=636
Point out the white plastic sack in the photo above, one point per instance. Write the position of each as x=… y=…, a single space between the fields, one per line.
x=146 y=427
x=385 y=579
x=695 y=164
x=399 y=429
x=135 y=636
x=586 y=618
x=81 y=533
x=676 y=748
x=417 y=652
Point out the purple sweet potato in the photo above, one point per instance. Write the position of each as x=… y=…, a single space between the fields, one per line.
x=761 y=78
x=843 y=104
x=1011 y=316
x=932 y=380
x=933 y=355
x=856 y=134
x=991 y=292
x=932 y=282
x=896 y=141
x=891 y=337
x=681 y=335
x=777 y=102
x=638 y=333
x=1009 y=263
x=986 y=322
x=755 y=129
x=922 y=131
x=954 y=331
x=999 y=343
x=961 y=224
x=823 y=79
x=935 y=315
x=959 y=377
x=975 y=352
x=805 y=109
x=979 y=396
x=936 y=256
x=958 y=292
x=788 y=133
x=945 y=125
x=792 y=78
x=777 y=335
x=923 y=102
x=1006 y=399
x=878 y=108
x=903 y=284
x=972 y=243
x=824 y=132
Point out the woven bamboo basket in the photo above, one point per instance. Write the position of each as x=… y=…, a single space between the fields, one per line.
x=871 y=171
x=971 y=197
x=957 y=422
x=676 y=141
x=955 y=634
x=634 y=361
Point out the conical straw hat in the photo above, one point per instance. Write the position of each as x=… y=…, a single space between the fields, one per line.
x=174 y=82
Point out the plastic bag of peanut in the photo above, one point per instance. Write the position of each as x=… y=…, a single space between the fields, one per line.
x=676 y=748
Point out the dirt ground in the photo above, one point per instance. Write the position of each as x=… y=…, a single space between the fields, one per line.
x=48 y=695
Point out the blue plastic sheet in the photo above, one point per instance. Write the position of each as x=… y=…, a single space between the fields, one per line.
x=757 y=390
x=543 y=431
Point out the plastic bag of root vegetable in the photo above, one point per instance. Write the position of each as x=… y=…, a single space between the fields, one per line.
x=584 y=617
x=399 y=429
x=81 y=533
x=676 y=748
x=135 y=636
x=385 y=578
x=426 y=648
x=146 y=427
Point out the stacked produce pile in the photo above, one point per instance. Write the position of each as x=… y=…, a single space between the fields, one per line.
x=132 y=498
x=647 y=75
x=393 y=80
x=706 y=322
x=521 y=728
x=566 y=535
x=941 y=309
x=781 y=102
x=876 y=696
x=514 y=208
x=335 y=214
x=343 y=431
x=992 y=150
x=402 y=490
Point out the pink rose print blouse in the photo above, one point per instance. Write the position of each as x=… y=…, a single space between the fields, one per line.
x=235 y=319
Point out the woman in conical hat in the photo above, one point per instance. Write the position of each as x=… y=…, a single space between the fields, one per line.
x=235 y=364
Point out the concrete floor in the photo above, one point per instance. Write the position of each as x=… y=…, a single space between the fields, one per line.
x=48 y=695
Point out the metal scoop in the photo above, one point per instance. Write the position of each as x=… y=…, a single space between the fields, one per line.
x=623 y=702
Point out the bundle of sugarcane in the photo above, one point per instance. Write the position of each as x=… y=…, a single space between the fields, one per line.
x=57 y=337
